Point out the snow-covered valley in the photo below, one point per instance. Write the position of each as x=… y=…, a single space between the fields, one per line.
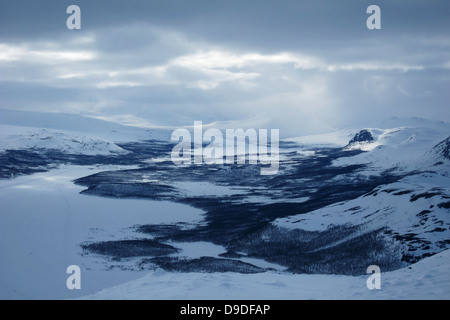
x=107 y=198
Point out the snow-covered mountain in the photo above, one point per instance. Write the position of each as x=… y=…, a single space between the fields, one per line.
x=78 y=125
x=400 y=148
x=414 y=210
x=32 y=142
x=25 y=138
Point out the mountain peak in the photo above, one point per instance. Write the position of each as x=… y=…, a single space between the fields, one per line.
x=362 y=136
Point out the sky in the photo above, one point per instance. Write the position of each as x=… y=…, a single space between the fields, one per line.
x=303 y=67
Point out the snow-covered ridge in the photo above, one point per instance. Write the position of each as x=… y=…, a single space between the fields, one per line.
x=414 y=210
x=369 y=139
x=18 y=138
x=394 y=132
x=81 y=125
x=442 y=150
x=403 y=148
x=400 y=144
x=69 y=133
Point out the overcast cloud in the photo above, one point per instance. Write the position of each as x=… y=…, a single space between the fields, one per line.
x=300 y=66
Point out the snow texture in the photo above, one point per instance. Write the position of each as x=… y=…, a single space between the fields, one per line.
x=427 y=279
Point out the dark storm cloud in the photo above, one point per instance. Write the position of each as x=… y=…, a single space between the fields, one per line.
x=303 y=66
x=259 y=24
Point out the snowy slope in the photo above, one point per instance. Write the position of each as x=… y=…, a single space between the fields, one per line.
x=401 y=143
x=80 y=125
x=440 y=152
x=17 y=138
x=402 y=148
x=428 y=279
x=69 y=133
x=414 y=210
